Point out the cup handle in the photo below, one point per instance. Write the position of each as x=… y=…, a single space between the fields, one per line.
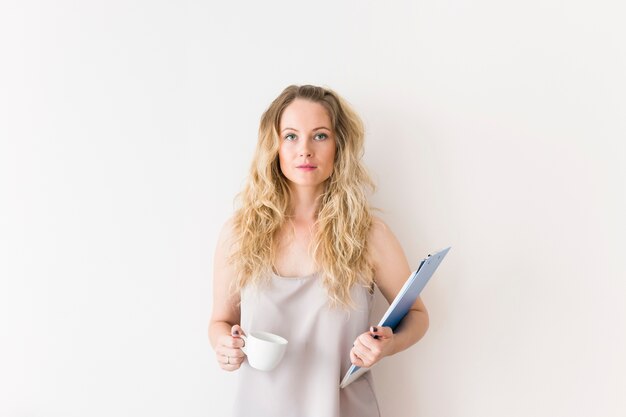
x=245 y=342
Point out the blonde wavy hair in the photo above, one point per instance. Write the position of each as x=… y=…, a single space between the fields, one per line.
x=339 y=243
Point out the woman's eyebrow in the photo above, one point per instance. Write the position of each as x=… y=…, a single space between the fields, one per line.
x=296 y=130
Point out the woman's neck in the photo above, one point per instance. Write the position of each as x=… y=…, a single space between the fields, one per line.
x=305 y=204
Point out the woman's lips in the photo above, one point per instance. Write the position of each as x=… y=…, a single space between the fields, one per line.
x=307 y=167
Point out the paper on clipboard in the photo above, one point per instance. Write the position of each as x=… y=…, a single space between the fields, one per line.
x=402 y=303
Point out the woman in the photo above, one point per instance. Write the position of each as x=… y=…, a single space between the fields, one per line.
x=300 y=258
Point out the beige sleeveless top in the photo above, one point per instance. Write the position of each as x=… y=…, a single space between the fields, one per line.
x=306 y=382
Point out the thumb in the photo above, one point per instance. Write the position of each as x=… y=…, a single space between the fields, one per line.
x=381 y=332
x=237 y=331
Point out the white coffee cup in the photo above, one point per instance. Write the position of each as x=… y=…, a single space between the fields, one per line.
x=264 y=350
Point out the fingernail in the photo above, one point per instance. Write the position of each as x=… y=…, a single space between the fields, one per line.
x=374 y=329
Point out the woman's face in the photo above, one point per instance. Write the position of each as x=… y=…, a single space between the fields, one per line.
x=307 y=147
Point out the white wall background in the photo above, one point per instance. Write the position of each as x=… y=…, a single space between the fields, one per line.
x=127 y=127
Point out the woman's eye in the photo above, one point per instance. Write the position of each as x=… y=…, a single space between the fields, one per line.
x=321 y=136
x=290 y=137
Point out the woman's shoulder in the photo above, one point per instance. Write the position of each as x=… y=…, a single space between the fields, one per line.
x=382 y=242
x=227 y=232
x=379 y=231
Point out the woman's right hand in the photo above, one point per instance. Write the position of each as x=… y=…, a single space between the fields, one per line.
x=228 y=351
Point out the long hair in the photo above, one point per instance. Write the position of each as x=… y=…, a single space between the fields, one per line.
x=344 y=218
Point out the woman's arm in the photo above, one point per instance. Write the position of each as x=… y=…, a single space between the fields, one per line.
x=391 y=272
x=224 y=330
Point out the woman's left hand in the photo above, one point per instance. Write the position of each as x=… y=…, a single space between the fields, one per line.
x=372 y=346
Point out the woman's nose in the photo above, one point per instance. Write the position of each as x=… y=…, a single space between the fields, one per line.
x=305 y=149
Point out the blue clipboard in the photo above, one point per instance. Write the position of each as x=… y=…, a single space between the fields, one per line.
x=402 y=303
